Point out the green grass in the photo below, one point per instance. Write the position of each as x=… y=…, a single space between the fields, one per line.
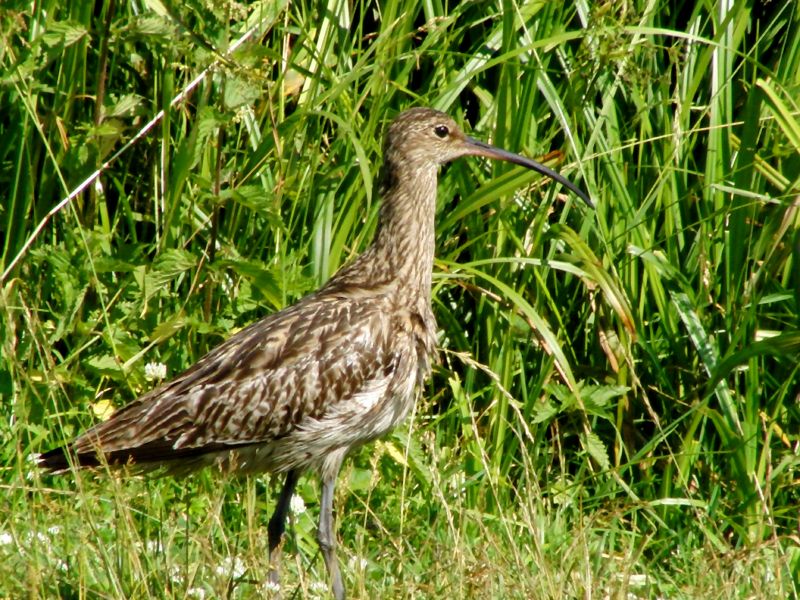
x=615 y=412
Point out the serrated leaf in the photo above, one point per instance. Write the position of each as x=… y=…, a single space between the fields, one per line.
x=564 y=395
x=153 y=25
x=596 y=449
x=544 y=411
x=104 y=364
x=168 y=328
x=208 y=120
x=125 y=106
x=253 y=198
x=157 y=7
x=239 y=92
x=111 y=264
x=261 y=279
x=169 y=264
x=63 y=34
x=599 y=396
x=108 y=128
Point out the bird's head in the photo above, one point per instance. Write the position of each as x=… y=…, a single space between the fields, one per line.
x=421 y=138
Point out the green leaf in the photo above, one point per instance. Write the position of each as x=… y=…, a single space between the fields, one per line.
x=596 y=449
x=169 y=264
x=786 y=116
x=105 y=364
x=785 y=345
x=63 y=34
x=709 y=355
x=240 y=91
x=596 y=398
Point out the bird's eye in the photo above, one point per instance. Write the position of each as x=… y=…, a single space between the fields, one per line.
x=441 y=131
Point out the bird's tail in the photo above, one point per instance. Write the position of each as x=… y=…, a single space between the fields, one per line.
x=62 y=458
x=156 y=455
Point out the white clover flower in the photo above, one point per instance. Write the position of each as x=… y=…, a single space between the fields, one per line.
x=270 y=587
x=177 y=574
x=155 y=371
x=231 y=565
x=318 y=588
x=296 y=505
x=6 y=538
x=54 y=530
x=196 y=592
x=356 y=563
x=38 y=537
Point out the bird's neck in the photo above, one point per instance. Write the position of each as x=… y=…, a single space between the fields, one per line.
x=405 y=239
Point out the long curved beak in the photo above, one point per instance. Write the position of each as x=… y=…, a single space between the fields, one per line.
x=480 y=148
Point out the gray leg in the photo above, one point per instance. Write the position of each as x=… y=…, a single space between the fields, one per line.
x=327 y=537
x=277 y=524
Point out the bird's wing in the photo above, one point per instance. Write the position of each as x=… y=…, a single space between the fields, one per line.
x=261 y=383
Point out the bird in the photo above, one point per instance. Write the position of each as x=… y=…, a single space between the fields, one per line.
x=301 y=388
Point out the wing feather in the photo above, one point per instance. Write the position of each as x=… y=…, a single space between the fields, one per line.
x=257 y=387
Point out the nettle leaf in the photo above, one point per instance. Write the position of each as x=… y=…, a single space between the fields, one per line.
x=62 y=34
x=564 y=395
x=245 y=301
x=170 y=264
x=105 y=364
x=141 y=35
x=126 y=106
x=253 y=198
x=152 y=24
x=545 y=411
x=66 y=282
x=108 y=128
x=209 y=120
x=71 y=319
x=262 y=280
x=125 y=344
x=597 y=397
x=596 y=449
x=240 y=91
x=167 y=328
x=113 y=264
x=157 y=7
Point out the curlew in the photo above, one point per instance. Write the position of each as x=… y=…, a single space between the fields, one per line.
x=302 y=387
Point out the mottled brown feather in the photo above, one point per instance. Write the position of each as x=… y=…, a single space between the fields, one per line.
x=266 y=381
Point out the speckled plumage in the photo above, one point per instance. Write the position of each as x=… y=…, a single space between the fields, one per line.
x=302 y=387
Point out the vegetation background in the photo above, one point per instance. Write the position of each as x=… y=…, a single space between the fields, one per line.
x=616 y=410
